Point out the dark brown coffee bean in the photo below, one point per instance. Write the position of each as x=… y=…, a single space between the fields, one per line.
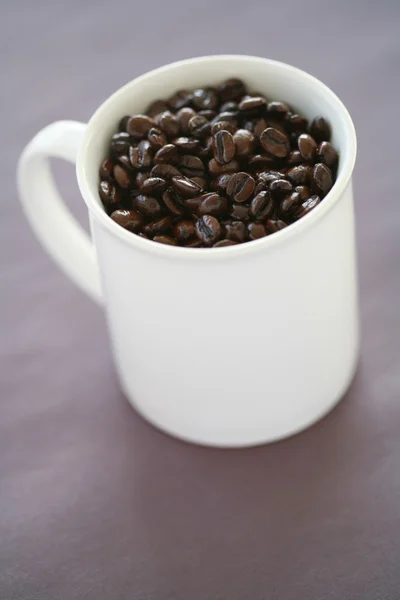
x=138 y=126
x=157 y=107
x=320 y=129
x=256 y=231
x=165 y=239
x=322 y=179
x=122 y=177
x=109 y=194
x=199 y=127
x=294 y=158
x=231 y=89
x=120 y=143
x=275 y=124
x=240 y=187
x=161 y=226
x=245 y=142
x=168 y=123
x=280 y=187
x=220 y=182
x=201 y=181
x=153 y=186
x=240 y=212
x=179 y=100
x=277 y=110
x=288 y=205
x=327 y=154
x=216 y=169
x=184 y=115
x=123 y=123
x=164 y=171
x=223 y=147
x=128 y=219
x=148 y=206
x=205 y=98
x=156 y=138
x=300 y=174
x=259 y=126
x=168 y=154
x=191 y=166
x=124 y=161
x=208 y=230
x=249 y=124
x=214 y=205
x=235 y=230
x=141 y=156
x=192 y=204
x=185 y=186
x=174 y=202
x=141 y=177
x=184 y=231
x=226 y=117
x=296 y=123
x=229 y=106
x=303 y=191
x=143 y=235
x=224 y=243
x=267 y=177
x=206 y=148
x=208 y=114
x=252 y=104
x=262 y=206
x=106 y=168
x=307 y=206
x=187 y=145
x=275 y=142
x=275 y=225
x=262 y=161
x=223 y=126
x=307 y=146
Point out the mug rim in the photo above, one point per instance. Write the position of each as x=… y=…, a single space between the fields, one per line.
x=234 y=251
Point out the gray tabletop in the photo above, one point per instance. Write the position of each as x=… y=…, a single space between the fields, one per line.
x=96 y=504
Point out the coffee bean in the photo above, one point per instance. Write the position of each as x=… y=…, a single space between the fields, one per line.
x=165 y=239
x=262 y=161
x=179 y=100
x=266 y=177
x=235 y=230
x=194 y=244
x=109 y=194
x=320 y=129
x=161 y=226
x=205 y=98
x=164 y=171
x=240 y=187
x=225 y=117
x=294 y=158
x=206 y=148
x=231 y=89
x=327 y=154
x=300 y=174
x=322 y=179
x=307 y=146
x=262 y=206
x=199 y=127
x=288 y=205
x=213 y=204
x=187 y=145
x=208 y=114
x=122 y=177
x=224 y=243
x=307 y=206
x=168 y=123
x=184 y=230
x=192 y=204
x=157 y=107
x=277 y=110
x=280 y=187
x=275 y=225
x=138 y=126
x=123 y=123
x=141 y=177
x=223 y=147
x=275 y=142
x=141 y=155
x=185 y=186
x=249 y=124
x=303 y=191
x=156 y=138
x=208 y=230
x=153 y=186
x=221 y=182
x=216 y=168
x=184 y=115
x=223 y=126
x=106 y=168
x=239 y=212
x=296 y=123
x=192 y=166
x=120 y=143
x=256 y=231
x=201 y=181
x=128 y=219
x=174 y=202
x=148 y=206
x=259 y=126
x=252 y=104
x=124 y=161
x=244 y=142
x=168 y=154
x=275 y=124
x=229 y=106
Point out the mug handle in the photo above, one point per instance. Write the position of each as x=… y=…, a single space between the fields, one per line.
x=59 y=232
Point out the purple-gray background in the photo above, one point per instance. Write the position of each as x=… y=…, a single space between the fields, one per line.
x=94 y=503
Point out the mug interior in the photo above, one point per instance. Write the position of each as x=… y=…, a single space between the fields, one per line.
x=277 y=81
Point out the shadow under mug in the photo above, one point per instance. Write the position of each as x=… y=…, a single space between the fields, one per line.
x=233 y=346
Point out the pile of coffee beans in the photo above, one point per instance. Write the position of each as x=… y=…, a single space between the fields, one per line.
x=215 y=167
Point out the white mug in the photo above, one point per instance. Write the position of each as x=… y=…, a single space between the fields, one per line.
x=233 y=346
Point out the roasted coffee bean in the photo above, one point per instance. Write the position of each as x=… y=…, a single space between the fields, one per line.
x=141 y=177
x=109 y=194
x=208 y=230
x=205 y=98
x=307 y=146
x=138 y=126
x=327 y=154
x=275 y=124
x=252 y=104
x=168 y=123
x=300 y=174
x=179 y=100
x=213 y=204
x=124 y=161
x=123 y=123
x=106 y=168
x=223 y=147
x=196 y=243
x=168 y=154
x=201 y=181
x=230 y=106
x=296 y=123
x=174 y=202
x=320 y=129
x=223 y=126
x=240 y=187
x=244 y=142
x=122 y=177
x=128 y=219
x=187 y=145
x=307 y=206
x=143 y=235
x=303 y=191
x=225 y=117
x=185 y=186
x=275 y=225
x=277 y=110
x=240 y=212
x=120 y=143
x=184 y=231
x=148 y=206
x=206 y=148
x=165 y=239
x=280 y=187
x=216 y=168
x=259 y=126
x=322 y=179
x=157 y=107
x=184 y=115
x=235 y=230
x=191 y=166
x=256 y=231
x=164 y=171
x=199 y=127
x=267 y=177
x=221 y=182
x=192 y=204
x=249 y=124
x=156 y=138
x=294 y=158
x=262 y=161
x=231 y=89
x=288 y=205
x=153 y=186
x=224 y=243
x=208 y=114
x=275 y=142
x=160 y=226
x=262 y=206
x=141 y=155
